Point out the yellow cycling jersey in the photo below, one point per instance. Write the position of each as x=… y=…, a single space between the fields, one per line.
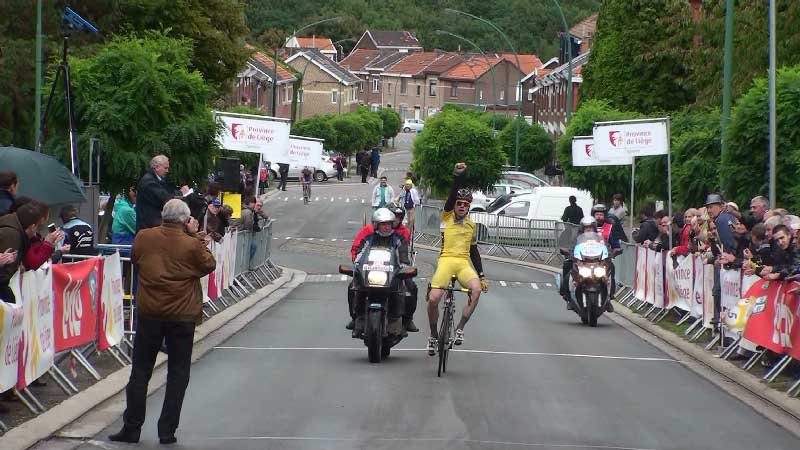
x=457 y=236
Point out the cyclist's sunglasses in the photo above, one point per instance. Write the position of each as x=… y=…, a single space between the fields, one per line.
x=462 y=203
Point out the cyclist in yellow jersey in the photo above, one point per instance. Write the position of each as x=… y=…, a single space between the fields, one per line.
x=459 y=256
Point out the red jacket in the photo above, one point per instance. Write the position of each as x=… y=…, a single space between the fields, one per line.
x=38 y=253
x=368 y=229
x=683 y=248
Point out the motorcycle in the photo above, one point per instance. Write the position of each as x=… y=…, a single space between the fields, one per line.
x=378 y=276
x=590 y=277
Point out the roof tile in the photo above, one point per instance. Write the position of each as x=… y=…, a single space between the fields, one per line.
x=267 y=65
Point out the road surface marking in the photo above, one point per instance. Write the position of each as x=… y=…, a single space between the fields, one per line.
x=479 y=352
x=316 y=199
x=333 y=240
x=534 y=285
x=362 y=201
x=344 y=277
x=399 y=439
x=503 y=283
x=288 y=237
x=348 y=200
x=286 y=199
x=332 y=199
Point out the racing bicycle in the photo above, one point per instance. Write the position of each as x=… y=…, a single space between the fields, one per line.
x=446 y=327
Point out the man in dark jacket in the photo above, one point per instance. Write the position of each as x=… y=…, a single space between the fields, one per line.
x=9 y=183
x=153 y=192
x=169 y=303
x=16 y=231
x=648 y=229
x=572 y=213
x=78 y=234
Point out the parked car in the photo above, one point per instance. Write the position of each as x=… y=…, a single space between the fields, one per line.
x=524 y=179
x=410 y=125
x=509 y=216
x=322 y=172
x=480 y=199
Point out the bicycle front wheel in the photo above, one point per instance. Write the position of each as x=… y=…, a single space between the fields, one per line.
x=444 y=337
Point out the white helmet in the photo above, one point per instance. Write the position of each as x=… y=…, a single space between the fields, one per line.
x=383 y=215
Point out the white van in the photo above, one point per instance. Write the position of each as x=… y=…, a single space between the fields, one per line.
x=508 y=214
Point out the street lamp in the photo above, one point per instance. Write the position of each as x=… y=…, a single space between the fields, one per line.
x=275 y=57
x=491 y=68
x=519 y=75
x=568 y=40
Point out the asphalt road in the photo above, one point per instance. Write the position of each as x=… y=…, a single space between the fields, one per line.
x=528 y=376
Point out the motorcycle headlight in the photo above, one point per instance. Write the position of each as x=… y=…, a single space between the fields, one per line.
x=377 y=278
x=585 y=272
x=599 y=272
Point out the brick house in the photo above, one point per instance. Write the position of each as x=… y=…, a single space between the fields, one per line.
x=391 y=41
x=327 y=87
x=253 y=86
x=368 y=65
x=323 y=44
x=483 y=82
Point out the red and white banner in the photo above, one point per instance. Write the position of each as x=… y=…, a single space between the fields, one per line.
x=11 y=321
x=681 y=284
x=75 y=287
x=36 y=344
x=697 y=289
x=708 y=295
x=658 y=280
x=112 y=327
x=650 y=285
x=773 y=317
x=730 y=282
x=640 y=284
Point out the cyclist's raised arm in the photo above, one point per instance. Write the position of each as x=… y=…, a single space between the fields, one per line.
x=460 y=173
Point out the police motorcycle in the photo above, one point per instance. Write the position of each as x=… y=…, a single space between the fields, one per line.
x=378 y=278
x=590 y=277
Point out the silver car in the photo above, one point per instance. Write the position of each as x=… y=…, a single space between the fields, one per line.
x=410 y=125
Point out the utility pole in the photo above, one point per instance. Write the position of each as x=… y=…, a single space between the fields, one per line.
x=39 y=62
x=773 y=125
x=727 y=76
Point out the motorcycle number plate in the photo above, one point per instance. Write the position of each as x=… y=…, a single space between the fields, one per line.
x=375 y=305
x=378 y=268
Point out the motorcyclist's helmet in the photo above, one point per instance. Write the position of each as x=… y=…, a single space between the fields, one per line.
x=464 y=194
x=399 y=212
x=600 y=208
x=588 y=224
x=382 y=215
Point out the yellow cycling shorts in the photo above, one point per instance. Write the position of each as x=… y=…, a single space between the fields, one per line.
x=448 y=266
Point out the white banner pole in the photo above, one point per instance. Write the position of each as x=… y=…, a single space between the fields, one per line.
x=633 y=177
x=258 y=176
x=669 y=176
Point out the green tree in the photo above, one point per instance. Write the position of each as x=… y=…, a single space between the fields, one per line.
x=744 y=169
x=372 y=123
x=351 y=136
x=139 y=98
x=453 y=136
x=500 y=121
x=696 y=152
x=317 y=127
x=625 y=66
x=391 y=122
x=535 y=145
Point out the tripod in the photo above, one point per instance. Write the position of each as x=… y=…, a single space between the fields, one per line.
x=63 y=72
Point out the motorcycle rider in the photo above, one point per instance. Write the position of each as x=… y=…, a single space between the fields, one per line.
x=383 y=234
x=411 y=286
x=605 y=230
x=586 y=224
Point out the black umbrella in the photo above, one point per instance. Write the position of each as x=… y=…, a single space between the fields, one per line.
x=42 y=177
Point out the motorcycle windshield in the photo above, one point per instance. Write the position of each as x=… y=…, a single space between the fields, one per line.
x=380 y=259
x=590 y=246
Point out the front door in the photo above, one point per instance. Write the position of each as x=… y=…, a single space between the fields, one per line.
x=417 y=113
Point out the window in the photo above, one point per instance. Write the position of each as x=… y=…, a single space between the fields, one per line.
x=361 y=87
x=404 y=86
x=502 y=94
x=480 y=94
x=454 y=89
x=517 y=209
x=376 y=84
x=287 y=98
x=375 y=107
x=403 y=112
x=419 y=91
x=530 y=96
x=432 y=90
x=300 y=96
x=334 y=96
x=390 y=89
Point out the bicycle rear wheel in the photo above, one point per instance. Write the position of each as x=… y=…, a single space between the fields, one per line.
x=444 y=335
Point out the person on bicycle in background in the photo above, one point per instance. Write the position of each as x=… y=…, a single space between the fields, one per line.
x=306 y=177
x=358 y=243
x=383 y=235
x=459 y=247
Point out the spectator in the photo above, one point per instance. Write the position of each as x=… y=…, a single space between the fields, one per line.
x=382 y=194
x=682 y=232
x=410 y=176
x=214 y=222
x=648 y=228
x=784 y=255
x=245 y=180
x=364 y=161
x=283 y=171
x=664 y=231
x=375 y=161
x=16 y=231
x=78 y=234
x=339 y=163
x=152 y=193
x=169 y=304
x=770 y=223
x=758 y=208
x=123 y=229
x=617 y=230
x=760 y=251
x=572 y=213
x=618 y=209
x=9 y=184
x=409 y=198
x=253 y=217
x=41 y=248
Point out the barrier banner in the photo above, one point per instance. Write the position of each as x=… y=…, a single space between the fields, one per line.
x=708 y=295
x=11 y=320
x=640 y=277
x=772 y=319
x=112 y=328
x=697 y=287
x=681 y=284
x=219 y=272
x=730 y=282
x=658 y=280
x=650 y=289
x=75 y=286
x=204 y=288
x=36 y=342
x=735 y=319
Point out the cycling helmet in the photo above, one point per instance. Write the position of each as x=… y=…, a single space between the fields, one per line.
x=382 y=215
x=588 y=222
x=599 y=208
x=464 y=194
x=398 y=210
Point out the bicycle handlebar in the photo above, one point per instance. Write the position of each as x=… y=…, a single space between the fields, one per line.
x=451 y=289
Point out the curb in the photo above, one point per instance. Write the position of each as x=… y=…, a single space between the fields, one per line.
x=742 y=385
x=79 y=417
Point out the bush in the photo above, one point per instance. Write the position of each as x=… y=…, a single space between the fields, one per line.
x=696 y=151
x=535 y=145
x=317 y=127
x=454 y=136
x=391 y=122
